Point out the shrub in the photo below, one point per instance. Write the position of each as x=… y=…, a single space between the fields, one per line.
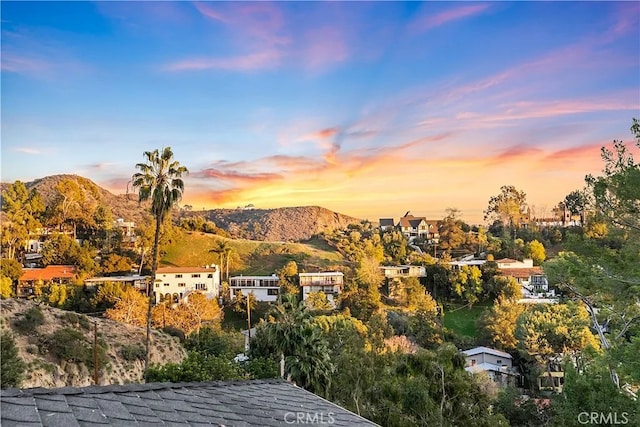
x=71 y=317
x=12 y=367
x=71 y=345
x=133 y=352
x=30 y=320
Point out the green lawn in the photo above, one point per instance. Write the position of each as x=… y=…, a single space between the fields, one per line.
x=463 y=320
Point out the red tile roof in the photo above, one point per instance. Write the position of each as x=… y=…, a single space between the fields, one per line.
x=522 y=273
x=50 y=272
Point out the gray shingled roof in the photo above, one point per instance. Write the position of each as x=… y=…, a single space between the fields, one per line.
x=221 y=403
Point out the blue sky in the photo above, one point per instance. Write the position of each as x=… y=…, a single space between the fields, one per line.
x=367 y=108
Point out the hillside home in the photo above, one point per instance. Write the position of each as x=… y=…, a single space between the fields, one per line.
x=328 y=282
x=264 y=288
x=400 y=271
x=127 y=228
x=497 y=364
x=419 y=227
x=551 y=378
x=33 y=277
x=175 y=283
x=533 y=282
x=136 y=281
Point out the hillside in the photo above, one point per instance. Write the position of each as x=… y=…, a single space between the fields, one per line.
x=289 y=224
x=281 y=224
x=44 y=369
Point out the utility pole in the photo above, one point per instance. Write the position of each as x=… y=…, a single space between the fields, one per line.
x=95 y=352
x=248 y=317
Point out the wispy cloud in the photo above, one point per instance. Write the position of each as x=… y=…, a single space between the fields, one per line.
x=432 y=20
x=28 y=150
x=254 y=61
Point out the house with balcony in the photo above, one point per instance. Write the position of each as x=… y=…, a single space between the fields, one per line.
x=329 y=282
x=497 y=364
x=532 y=280
x=32 y=278
x=414 y=227
x=264 y=288
x=173 y=284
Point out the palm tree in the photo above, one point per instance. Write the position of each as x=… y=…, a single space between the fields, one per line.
x=224 y=251
x=159 y=180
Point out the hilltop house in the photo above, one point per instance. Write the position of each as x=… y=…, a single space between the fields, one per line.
x=265 y=288
x=31 y=278
x=330 y=283
x=419 y=227
x=175 y=283
x=497 y=364
x=533 y=282
x=386 y=224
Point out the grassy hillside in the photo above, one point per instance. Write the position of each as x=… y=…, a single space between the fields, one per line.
x=463 y=320
x=249 y=257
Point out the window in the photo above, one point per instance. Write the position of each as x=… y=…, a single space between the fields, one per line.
x=499 y=362
x=178 y=276
x=272 y=291
x=181 y=285
x=157 y=285
x=195 y=275
x=210 y=276
x=473 y=362
x=166 y=284
x=201 y=286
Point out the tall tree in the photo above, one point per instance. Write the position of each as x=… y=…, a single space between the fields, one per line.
x=160 y=181
x=24 y=210
x=602 y=267
x=509 y=207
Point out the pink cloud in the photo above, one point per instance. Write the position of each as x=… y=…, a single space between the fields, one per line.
x=323 y=47
x=254 y=61
x=209 y=12
x=28 y=150
x=23 y=65
x=430 y=21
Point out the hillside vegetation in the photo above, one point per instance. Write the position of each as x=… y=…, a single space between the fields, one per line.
x=57 y=346
x=249 y=257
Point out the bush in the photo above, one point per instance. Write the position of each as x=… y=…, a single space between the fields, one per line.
x=133 y=352
x=196 y=367
x=12 y=367
x=30 y=320
x=71 y=345
x=215 y=343
x=260 y=368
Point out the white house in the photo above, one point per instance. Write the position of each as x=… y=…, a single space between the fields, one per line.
x=328 y=282
x=265 y=288
x=532 y=280
x=175 y=283
x=497 y=364
x=399 y=271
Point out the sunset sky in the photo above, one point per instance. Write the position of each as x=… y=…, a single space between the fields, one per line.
x=368 y=109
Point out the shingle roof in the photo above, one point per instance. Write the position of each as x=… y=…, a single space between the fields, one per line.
x=221 y=403
x=386 y=222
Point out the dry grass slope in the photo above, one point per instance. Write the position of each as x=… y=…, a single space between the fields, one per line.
x=45 y=370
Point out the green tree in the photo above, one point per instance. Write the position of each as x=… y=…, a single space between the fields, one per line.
x=509 y=207
x=535 y=251
x=24 y=209
x=160 y=181
x=288 y=276
x=12 y=366
x=11 y=268
x=601 y=268
x=467 y=283
x=318 y=301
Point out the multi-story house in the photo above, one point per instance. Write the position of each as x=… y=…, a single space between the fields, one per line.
x=419 y=227
x=264 y=288
x=175 y=283
x=330 y=283
x=497 y=364
x=532 y=280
